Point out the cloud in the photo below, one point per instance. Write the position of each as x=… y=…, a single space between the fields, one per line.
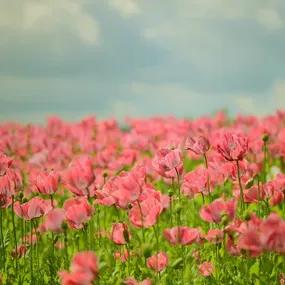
x=262 y=104
x=48 y=17
x=175 y=99
x=270 y=19
x=125 y=7
x=279 y=94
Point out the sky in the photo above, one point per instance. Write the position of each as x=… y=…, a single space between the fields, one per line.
x=126 y=58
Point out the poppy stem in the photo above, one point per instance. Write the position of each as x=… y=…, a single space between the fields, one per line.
x=65 y=248
x=51 y=201
x=98 y=227
x=2 y=239
x=31 y=250
x=85 y=231
x=265 y=158
x=52 y=240
x=156 y=229
x=179 y=197
x=208 y=176
x=14 y=233
x=128 y=259
x=142 y=220
x=240 y=186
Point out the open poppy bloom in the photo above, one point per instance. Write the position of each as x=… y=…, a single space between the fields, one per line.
x=233 y=146
x=157 y=262
x=34 y=208
x=182 y=235
x=83 y=270
x=77 y=212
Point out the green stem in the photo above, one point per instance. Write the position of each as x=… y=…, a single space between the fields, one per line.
x=3 y=253
x=52 y=240
x=14 y=233
x=31 y=251
x=51 y=201
x=155 y=229
x=265 y=162
x=98 y=227
x=128 y=259
x=208 y=176
x=85 y=231
x=142 y=220
x=240 y=186
x=65 y=248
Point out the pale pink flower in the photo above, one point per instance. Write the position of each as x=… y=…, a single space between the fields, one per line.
x=77 y=212
x=182 y=235
x=199 y=145
x=233 y=146
x=206 y=268
x=157 y=262
x=34 y=208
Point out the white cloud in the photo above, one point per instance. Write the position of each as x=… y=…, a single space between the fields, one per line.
x=125 y=7
x=262 y=103
x=248 y=104
x=270 y=19
x=279 y=94
x=190 y=17
x=49 y=17
x=174 y=99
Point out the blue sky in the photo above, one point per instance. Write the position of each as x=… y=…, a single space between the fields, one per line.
x=118 y=58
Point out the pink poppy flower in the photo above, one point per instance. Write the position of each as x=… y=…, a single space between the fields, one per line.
x=75 y=278
x=121 y=256
x=182 y=235
x=157 y=262
x=196 y=255
x=272 y=233
x=85 y=261
x=34 y=208
x=168 y=163
x=231 y=247
x=79 y=177
x=250 y=241
x=199 y=145
x=20 y=252
x=6 y=191
x=30 y=240
x=233 y=146
x=274 y=192
x=127 y=189
x=5 y=163
x=215 y=235
x=148 y=192
x=77 y=212
x=253 y=194
x=214 y=212
x=83 y=270
x=10 y=183
x=53 y=220
x=250 y=236
x=195 y=182
x=120 y=234
x=45 y=183
x=206 y=268
x=122 y=190
x=145 y=214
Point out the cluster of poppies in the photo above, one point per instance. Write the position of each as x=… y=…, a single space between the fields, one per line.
x=159 y=201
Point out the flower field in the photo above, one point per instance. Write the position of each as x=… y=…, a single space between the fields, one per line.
x=159 y=201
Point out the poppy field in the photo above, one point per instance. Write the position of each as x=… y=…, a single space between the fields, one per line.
x=161 y=200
